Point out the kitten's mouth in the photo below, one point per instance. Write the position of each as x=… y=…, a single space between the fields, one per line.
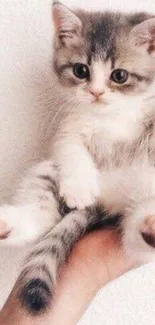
x=99 y=101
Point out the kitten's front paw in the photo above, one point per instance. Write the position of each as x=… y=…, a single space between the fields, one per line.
x=81 y=190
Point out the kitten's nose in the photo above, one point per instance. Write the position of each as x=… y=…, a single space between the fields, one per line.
x=95 y=93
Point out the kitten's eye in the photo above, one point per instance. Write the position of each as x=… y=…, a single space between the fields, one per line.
x=119 y=76
x=81 y=71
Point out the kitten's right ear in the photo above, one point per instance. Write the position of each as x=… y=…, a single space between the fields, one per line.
x=67 y=25
x=143 y=35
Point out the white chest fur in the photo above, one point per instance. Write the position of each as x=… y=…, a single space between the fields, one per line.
x=103 y=133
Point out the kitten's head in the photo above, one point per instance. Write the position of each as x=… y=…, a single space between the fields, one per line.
x=102 y=58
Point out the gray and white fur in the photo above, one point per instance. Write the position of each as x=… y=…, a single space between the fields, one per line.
x=103 y=151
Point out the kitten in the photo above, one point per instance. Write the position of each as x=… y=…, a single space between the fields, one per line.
x=102 y=153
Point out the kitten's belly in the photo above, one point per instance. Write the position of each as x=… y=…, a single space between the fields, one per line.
x=108 y=151
x=127 y=185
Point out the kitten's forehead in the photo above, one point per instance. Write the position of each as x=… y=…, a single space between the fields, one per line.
x=104 y=32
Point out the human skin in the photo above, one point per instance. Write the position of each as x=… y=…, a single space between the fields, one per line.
x=95 y=260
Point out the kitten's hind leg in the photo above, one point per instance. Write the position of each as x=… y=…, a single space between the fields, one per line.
x=148 y=230
x=37 y=281
x=139 y=232
x=35 y=207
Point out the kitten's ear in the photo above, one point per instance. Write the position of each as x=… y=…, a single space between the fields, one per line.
x=68 y=26
x=144 y=35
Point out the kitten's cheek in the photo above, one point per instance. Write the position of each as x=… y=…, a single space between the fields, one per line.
x=90 y=99
x=84 y=96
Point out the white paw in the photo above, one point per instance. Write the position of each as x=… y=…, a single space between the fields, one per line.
x=20 y=225
x=147 y=230
x=6 y=221
x=13 y=227
x=4 y=229
x=139 y=233
x=81 y=189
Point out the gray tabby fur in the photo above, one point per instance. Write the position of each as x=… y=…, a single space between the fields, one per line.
x=125 y=163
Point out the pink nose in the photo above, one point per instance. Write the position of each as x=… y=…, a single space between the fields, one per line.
x=96 y=94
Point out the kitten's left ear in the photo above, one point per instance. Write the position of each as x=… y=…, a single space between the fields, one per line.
x=68 y=26
x=144 y=35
